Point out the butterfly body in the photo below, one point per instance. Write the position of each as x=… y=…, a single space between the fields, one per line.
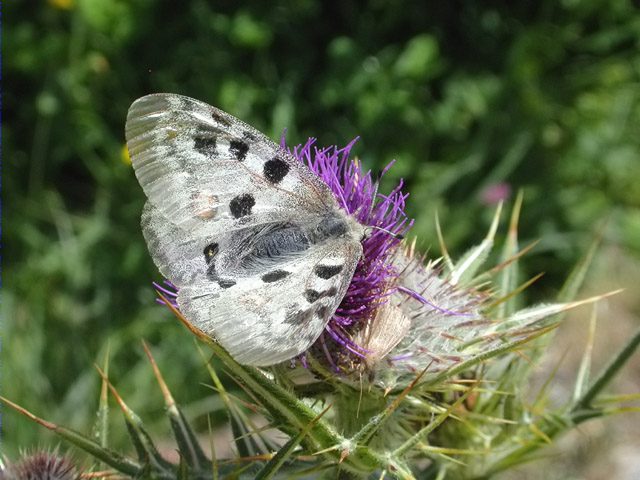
x=256 y=244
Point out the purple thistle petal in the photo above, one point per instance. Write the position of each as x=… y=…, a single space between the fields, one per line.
x=357 y=193
x=169 y=291
x=421 y=299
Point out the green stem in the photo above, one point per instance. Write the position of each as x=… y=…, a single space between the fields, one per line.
x=294 y=416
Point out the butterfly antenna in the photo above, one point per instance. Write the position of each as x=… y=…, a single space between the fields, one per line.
x=395 y=235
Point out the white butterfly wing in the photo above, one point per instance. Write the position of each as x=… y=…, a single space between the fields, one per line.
x=273 y=317
x=177 y=254
x=255 y=242
x=208 y=171
x=263 y=319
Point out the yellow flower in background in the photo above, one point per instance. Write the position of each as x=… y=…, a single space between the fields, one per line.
x=124 y=155
x=61 y=4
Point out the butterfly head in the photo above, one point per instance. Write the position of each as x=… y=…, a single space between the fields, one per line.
x=336 y=225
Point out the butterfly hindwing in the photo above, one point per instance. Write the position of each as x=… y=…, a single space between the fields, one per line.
x=266 y=319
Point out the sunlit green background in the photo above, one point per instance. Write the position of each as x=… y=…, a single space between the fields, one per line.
x=468 y=97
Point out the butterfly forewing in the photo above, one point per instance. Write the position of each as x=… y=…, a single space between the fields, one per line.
x=204 y=169
x=177 y=254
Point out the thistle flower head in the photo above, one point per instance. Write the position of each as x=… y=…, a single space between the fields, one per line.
x=43 y=464
x=357 y=193
x=394 y=304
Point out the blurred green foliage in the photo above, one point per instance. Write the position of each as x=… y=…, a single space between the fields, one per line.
x=543 y=96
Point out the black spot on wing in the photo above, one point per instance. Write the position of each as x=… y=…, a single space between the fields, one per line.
x=249 y=136
x=219 y=118
x=298 y=317
x=327 y=271
x=212 y=275
x=241 y=205
x=238 y=149
x=313 y=295
x=205 y=144
x=210 y=251
x=274 y=276
x=226 y=283
x=322 y=311
x=275 y=170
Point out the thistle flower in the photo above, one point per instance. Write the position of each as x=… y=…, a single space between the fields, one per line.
x=390 y=293
x=495 y=193
x=357 y=193
x=40 y=465
x=399 y=316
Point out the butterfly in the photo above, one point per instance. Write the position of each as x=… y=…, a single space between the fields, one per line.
x=256 y=244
